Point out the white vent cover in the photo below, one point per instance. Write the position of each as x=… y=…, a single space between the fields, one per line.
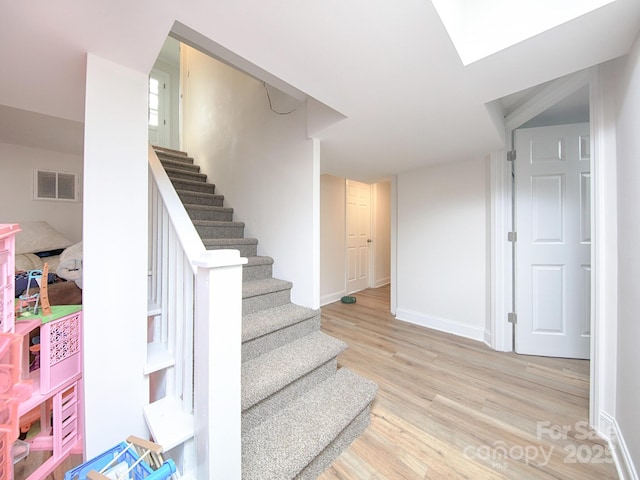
x=49 y=185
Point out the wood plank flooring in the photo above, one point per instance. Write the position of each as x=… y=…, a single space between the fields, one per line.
x=452 y=408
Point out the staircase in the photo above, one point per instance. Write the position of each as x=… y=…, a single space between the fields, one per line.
x=299 y=411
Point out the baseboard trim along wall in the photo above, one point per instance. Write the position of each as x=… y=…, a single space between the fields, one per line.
x=331 y=297
x=487 y=339
x=381 y=282
x=621 y=456
x=441 y=324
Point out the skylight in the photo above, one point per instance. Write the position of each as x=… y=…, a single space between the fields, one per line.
x=479 y=28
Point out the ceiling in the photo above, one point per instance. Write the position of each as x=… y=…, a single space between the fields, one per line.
x=390 y=69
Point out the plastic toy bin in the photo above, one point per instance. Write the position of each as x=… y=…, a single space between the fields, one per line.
x=128 y=455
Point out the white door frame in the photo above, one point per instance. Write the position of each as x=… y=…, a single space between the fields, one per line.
x=603 y=304
x=164 y=106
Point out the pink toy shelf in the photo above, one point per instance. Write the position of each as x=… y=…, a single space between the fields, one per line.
x=55 y=385
x=60 y=346
x=49 y=390
x=12 y=392
x=7 y=274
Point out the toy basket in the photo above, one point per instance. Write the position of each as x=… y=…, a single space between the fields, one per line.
x=127 y=461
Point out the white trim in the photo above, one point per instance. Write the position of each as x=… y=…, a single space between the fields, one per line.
x=547 y=97
x=487 y=338
x=381 y=282
x=596 y=370
x=442 y=324
x=393 y=295
x=317 y=151
x=619 y=451
x=500 y=335
x=501 y=206
x=331 y=297
x=604 y=254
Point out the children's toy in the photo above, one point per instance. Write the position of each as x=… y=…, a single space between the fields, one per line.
x=134 y=459
x=54 y=397
x=29 y=302
x=7 y=275
x=48 y=389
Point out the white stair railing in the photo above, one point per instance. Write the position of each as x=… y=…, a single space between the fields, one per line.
x=193 y=354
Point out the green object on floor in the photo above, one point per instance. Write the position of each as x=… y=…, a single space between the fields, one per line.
x=348 y=299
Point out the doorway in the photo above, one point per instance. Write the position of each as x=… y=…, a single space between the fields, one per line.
x=552 y=261
x=159 y=108
x=358 y=235
x=334 y=237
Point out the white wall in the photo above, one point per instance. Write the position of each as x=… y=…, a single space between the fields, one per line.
x=332 y=239
x=628 y=172
x=262 y=162
x=442 y=247
x=115 y=260
x=17 y=164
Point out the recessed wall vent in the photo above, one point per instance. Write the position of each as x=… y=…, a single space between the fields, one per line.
x=48 y=185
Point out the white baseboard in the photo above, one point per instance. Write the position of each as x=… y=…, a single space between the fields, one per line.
x=330 y=298
x=381 y=282
x=441 y=324
x=487 y=339
x=619 y=450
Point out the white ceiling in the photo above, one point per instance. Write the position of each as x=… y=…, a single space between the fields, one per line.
x=480 y=29
x=389 y=67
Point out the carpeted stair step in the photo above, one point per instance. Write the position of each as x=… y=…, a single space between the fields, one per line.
x=174 y=155
x=182 y=166
x=273 y=380
x=299 y=412
x=193 y=185
x=208 y=212
x=180 y=174
x=303 y=439
x=257 y=268
x=215 y=229
x=262 y=294
x=248 y=247
x=271 y=328
x=200 y=198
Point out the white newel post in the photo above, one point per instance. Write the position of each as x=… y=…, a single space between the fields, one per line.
x=217 y=358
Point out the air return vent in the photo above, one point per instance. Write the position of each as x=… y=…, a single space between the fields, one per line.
x=48 y=185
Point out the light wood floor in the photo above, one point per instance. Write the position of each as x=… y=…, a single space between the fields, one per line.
x=449 y=407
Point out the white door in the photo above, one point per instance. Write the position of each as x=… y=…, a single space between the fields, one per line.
x=553 y=226
x=159 y=108
x=358 y=230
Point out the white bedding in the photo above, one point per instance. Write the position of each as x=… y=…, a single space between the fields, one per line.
x=35 y=237
x=70 y=267
x=30 y=261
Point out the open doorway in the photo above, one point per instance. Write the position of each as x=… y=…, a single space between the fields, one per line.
x=565 y=101
x=355 y=236
x=164 y=97
x=552 y=242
